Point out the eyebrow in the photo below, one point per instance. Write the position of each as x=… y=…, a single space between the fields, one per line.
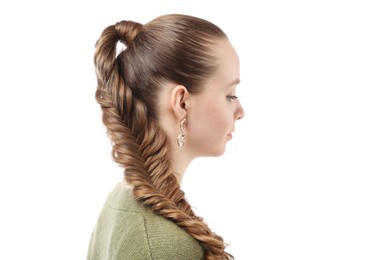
x=235 y=82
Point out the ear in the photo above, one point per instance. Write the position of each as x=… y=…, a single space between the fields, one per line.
x=179 y=98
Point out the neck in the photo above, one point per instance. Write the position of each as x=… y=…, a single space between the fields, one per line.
x=179 y=162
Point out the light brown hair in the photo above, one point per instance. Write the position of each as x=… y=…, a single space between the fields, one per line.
x=171 y=48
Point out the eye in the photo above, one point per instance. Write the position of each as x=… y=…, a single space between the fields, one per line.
x=231 y=97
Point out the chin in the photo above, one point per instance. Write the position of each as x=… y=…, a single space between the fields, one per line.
x=219 y=152
x=215 y=150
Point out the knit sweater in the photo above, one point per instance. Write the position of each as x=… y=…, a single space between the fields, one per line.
x=127 y=230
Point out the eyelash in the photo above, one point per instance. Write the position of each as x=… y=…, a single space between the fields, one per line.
x=231 y=97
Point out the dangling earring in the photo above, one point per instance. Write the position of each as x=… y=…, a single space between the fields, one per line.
x=181 y=138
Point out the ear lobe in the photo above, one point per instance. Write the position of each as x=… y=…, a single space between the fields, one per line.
x=179 y=97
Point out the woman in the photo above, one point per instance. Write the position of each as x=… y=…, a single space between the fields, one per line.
x=168 y=98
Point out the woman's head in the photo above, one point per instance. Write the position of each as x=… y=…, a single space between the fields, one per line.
x=173 y=68
x=170 y=49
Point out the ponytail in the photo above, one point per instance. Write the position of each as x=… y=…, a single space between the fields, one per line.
x=138 y=143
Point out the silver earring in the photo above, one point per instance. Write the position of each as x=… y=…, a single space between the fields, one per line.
x=181 y=138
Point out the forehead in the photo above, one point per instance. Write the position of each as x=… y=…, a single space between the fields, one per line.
x=226 y=55
x=228 y=64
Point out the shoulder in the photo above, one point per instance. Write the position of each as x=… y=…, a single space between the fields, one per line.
x=120 y=230
x=168 y=241
x=126 y=230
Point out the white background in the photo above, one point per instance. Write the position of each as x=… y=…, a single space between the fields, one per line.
x=305 y=177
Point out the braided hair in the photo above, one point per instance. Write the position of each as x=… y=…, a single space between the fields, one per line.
x=171 y=48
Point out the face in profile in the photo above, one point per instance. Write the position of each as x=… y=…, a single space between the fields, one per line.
x=213 y=112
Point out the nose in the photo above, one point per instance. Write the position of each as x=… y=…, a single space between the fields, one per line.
x=240 y=113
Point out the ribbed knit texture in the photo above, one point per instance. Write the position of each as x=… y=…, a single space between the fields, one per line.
x=126 y=230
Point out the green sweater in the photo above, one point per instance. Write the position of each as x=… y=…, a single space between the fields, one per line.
x=126 y=230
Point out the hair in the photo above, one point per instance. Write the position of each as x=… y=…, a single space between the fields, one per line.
x=171 y=48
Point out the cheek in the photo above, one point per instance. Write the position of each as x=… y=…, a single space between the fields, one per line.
x=208 y=133
x=220 y=119
x=212 y=120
